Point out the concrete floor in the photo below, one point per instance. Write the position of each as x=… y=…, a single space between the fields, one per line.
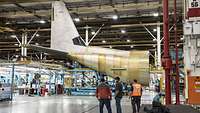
x=64 y=104
x=57 y=104
x=71 y=104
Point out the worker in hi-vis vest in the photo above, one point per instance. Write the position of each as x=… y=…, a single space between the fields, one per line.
x=135 y=94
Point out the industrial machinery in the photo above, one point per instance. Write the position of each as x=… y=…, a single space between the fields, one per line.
x=5 y=91
x=5 y=85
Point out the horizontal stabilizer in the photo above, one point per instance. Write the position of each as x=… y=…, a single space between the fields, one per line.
x=60 y=54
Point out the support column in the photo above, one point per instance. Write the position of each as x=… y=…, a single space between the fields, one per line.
x=63 y=80
x=55 y=81
x=86 y=36
x=41 y=56
x=12 y=81
x=25 y=43
x=22 y=45
x=176 y=50
x=50 y=82
x=158 y=46
x=156 y=59
x=8 y=56
x=166 y=57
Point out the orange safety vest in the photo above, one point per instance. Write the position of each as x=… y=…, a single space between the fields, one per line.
x=136 y=90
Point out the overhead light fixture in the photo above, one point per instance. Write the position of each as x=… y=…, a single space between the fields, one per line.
x=42 y=21
x=37 y=35
x=61 y=61
x=22 y=22
x=154 y=45
x=92 y=32
x=115 y=17
x=182 y=38
x=154 y=30
x=77 y=19
x=155 y=14
x=16 y=44
x=13 y=36
x=103 y=41
x=128 y=40
x=36 y=44
x=123 y=31
x=132 y=46
x=110 y=47
x=8 y=23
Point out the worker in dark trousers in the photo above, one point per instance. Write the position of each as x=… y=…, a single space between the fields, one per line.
x=136 y=93
x=104 y=95
x=118 y=94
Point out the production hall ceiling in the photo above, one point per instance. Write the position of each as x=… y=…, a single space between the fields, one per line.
x=124 y=23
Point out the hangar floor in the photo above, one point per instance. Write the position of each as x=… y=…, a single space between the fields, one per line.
x=65 y=104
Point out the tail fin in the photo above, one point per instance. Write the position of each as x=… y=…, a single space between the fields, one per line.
x=63 y=30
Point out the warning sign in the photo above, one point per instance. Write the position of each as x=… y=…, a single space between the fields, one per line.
x=194 y=89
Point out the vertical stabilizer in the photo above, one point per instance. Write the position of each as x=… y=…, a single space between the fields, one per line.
x=63 y=30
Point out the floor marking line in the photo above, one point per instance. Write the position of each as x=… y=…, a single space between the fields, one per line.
x=90 y=109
